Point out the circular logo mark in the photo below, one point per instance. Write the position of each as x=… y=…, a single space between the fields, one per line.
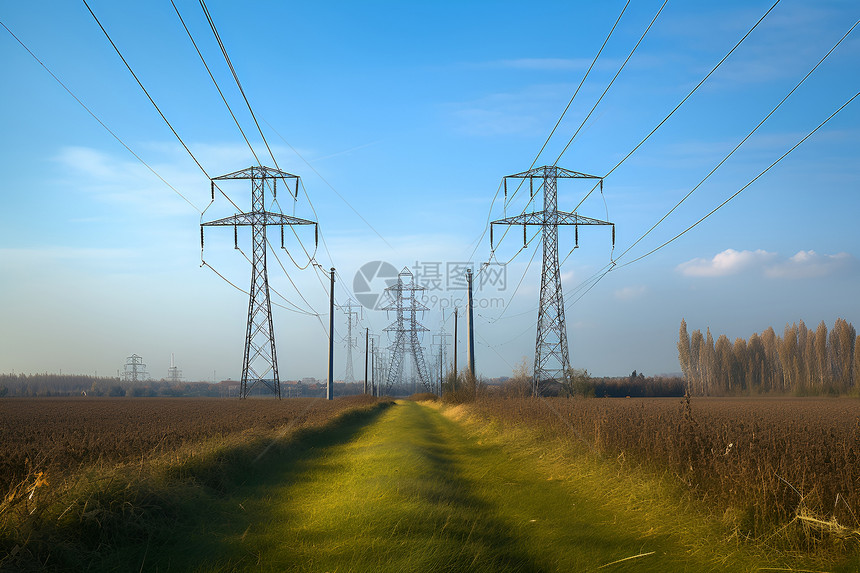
x=370 y=283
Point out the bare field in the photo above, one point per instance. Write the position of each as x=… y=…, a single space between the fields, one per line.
x=58 y=435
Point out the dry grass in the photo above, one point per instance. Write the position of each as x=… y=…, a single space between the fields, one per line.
x=87 y=477
x=788 y=465
x=60 y=435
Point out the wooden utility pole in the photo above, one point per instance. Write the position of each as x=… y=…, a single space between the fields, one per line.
x=366 y=355
x=456 y=315
x=470 y=349
x=329 y=393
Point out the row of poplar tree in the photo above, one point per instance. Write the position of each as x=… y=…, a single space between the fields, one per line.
x=800 y=362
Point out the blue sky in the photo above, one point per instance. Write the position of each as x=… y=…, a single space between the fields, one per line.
x=413 y=113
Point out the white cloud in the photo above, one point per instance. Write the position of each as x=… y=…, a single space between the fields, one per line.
x=545 y=64
x=809 y=264
x=524 y=112
x=630 y=293
x=804 y=264
x=729 y=262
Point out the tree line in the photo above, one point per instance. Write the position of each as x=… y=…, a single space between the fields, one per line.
x=58 y=385
x=802 y=362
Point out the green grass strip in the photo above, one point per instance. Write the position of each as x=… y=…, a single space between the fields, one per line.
x=413 y=488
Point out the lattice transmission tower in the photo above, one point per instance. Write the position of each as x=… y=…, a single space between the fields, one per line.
x=349 y=339
x=440 y=365
x=552 y=363
x=407 y=330
x=260 y=361
x=174 y=374
x=134 y=369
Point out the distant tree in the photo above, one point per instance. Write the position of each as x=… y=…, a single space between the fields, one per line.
x=520 y=384
x=806 y=346
x=842 y=349
x=722 y=372
x=684 y=351
x=855 y=369
x=741 y=367
x=772 y=372
x=116 y=391
x=789 y=354
x=822 y=359
x=709 y=364
x=696 y=382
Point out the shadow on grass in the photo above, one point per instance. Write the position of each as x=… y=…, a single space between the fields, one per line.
x=421 y=513
x=210 y=503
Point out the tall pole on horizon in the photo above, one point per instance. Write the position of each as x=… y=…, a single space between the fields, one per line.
x=329 y=391
x=366 y=355
x=470 y=349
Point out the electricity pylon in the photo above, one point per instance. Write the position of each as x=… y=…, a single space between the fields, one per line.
x=441 y=363
x=552 y=361
x=134 y=369
x=260 y=361
x=406 y=329
x=351 y=341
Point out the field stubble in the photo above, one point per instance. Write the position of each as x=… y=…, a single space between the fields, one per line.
x=83 y=477
x=778 y=469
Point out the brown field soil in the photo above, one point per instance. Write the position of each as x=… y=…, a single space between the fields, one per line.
x=764 y=461
x=61 y=435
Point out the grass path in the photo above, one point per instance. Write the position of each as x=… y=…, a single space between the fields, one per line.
x=414 y=490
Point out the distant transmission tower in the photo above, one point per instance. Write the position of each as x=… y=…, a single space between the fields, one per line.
x=260 y=362
x=351 y=341
x=174 y=374
x=439 y=362
x=552 y=361
x=134 y=369
x=406 y=329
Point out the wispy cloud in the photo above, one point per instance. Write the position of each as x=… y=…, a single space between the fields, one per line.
x=804 y=264
x=544 y=64
x=729 y=262
x=809 y=264
x=631 y=292
x=527 y=112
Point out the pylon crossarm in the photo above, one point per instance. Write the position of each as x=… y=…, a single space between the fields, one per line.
x=574 y=219
x=536 y=218
x=256 y=172
x=262 y=218
x=540 y=217
x=540 y=172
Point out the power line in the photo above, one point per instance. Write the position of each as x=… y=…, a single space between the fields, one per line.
x=582 y=81
x=214 y=81
x=236 y=78
x=682 y=102
x=615 y=77
x=594 y=107
x=330 y=186
x=238 y=288
x=698 y=85
x=155 y=105
x=552 y=132
x=750 y=134
x=152 y=101
x=95 y=117
x=753 y=180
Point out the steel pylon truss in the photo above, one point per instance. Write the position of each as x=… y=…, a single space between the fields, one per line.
x=349 y=339
x=552 y=362
x=260 y=360
x=406 y=329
